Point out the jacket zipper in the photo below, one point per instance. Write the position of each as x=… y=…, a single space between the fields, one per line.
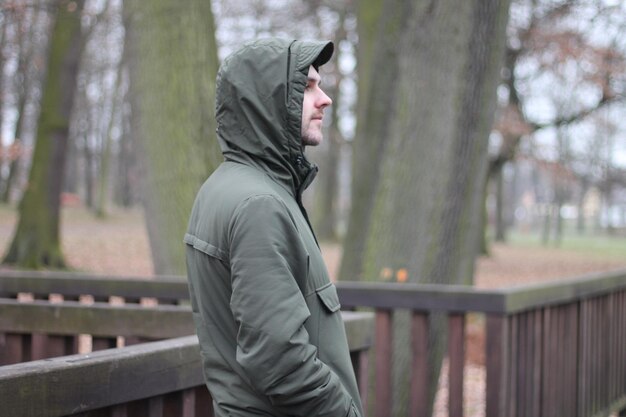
x=307 y=180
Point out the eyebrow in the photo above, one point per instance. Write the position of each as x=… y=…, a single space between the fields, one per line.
x=315 y=79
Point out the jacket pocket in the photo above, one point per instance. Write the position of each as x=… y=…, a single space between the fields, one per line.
x=328 y=296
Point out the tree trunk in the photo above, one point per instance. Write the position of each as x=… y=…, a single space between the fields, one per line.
x=547 y=225
x=381 y=24
x=103 y=182
x=483 y=240
x=428 y=195
x=88 y=158
x=36 y=242
x=103 y=174
x=14 y=159
x=70 y=182
x=498 y=177
x=558 y=231
x=126 y=189
x=581 y=221
x=3 y=99
x=173 y=64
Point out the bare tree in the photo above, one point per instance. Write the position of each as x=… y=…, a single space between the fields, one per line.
x=556 y=41
x=27 y=23
x=36 y=242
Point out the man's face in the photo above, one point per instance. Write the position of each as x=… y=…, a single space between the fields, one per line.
x=315 y=101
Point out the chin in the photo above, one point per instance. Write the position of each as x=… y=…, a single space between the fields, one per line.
x=312 y=139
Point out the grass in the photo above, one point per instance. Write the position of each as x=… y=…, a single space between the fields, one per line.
x=594 y=245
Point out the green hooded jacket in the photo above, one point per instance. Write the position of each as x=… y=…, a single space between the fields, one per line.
x=267 y=316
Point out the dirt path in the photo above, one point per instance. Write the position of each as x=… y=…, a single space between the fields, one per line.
x=117 y=245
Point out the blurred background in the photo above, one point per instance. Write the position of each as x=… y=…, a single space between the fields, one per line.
x=488 y=130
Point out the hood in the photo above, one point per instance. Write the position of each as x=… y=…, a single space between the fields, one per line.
x=259 y=94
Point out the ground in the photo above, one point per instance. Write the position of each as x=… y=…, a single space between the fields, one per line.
x=118 y=245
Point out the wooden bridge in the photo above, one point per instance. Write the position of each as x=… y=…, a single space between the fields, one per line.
x=556 y=349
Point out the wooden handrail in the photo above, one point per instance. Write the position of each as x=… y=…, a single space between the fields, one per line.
x=157 y=322
x=75 y=284
x=457 y=298
x=99 y=319
x=424 y=297
x=71 y=384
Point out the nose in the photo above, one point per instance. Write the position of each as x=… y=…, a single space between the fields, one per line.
x=323 y=99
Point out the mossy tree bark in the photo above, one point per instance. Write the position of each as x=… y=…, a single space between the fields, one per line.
x=419 y=177
x=173 y=63
x=36 y=242
x=381 y=24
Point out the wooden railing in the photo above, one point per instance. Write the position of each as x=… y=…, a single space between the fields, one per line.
x=152 y=379
x=556 y=349
x=165 y=290
x=60 y=324
x=40 y=329
x=156 y=379
x=160 y=379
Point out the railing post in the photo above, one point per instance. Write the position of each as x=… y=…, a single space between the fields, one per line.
x=38 y=341
x=119 y=410
x=10 y=344
x=156 y=407
x=383 y=363
x=204 y=403
x=102 y=343
x=620 y=365
x=189 y=403
x=360 y=365
x=420 y=376
x=14 y=348
x=60 y=345
x=456 y=362
x=537 y=361
x=496 y=364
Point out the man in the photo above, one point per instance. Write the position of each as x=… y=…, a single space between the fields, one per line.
x=271 y=335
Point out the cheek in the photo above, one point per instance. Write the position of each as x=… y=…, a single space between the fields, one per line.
x=307 y=105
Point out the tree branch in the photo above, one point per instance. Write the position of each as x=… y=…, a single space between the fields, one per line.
x=573 y=118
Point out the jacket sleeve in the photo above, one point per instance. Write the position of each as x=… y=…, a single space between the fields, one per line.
x=266 y=254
